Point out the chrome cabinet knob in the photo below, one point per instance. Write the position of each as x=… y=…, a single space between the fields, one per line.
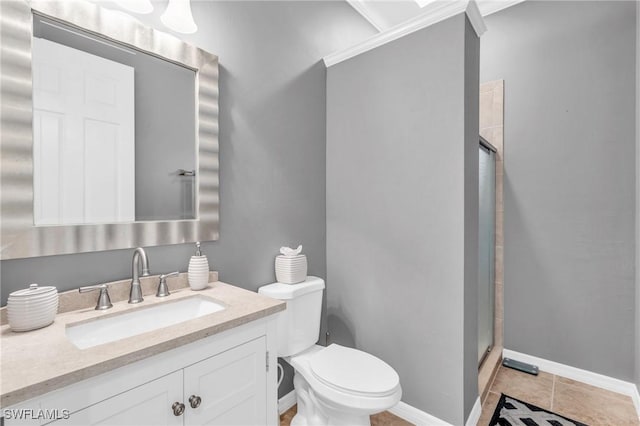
x=195 y=401
x=178 y=408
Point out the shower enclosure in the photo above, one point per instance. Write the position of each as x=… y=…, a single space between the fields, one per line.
x=486 y=252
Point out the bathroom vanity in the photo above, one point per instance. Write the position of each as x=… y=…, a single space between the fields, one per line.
x=210 y=359
x=218 y=368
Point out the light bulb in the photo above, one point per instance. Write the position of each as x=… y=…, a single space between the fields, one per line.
x=178 y=17
x=423 y=3
x=136 y=6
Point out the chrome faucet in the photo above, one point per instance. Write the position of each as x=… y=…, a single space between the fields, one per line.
x=135 y=294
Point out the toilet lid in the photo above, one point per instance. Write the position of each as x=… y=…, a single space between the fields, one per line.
x=354 y=371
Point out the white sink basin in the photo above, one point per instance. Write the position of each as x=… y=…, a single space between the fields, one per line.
x=138 y=321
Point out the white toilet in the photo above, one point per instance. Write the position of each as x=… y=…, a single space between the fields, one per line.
x=334 y=385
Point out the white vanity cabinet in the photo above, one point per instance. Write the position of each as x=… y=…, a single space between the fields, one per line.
x=145 y=405
x=230 y=387
x=225 y=380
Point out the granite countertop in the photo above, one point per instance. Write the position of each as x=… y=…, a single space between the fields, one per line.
x=39 y=361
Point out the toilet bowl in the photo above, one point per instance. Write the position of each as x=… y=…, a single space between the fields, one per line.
x=334 y=385
x=337 y=385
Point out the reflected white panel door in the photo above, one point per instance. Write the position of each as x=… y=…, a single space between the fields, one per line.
x=84 y=132
x=147 y=405
x=232 y=387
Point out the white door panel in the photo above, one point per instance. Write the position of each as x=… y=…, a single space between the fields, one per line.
x=101 y=178
x=48 y=128
x=94 y=100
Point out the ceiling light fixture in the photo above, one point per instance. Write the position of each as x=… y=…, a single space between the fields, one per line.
x=178 y=17
x=423 y=3
x=136 y=6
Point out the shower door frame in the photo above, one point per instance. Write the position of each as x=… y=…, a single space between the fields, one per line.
x=491 y=151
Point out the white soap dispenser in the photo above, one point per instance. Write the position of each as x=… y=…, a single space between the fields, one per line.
x=198 y=270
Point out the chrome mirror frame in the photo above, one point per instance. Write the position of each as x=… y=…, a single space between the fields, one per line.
x=19 y=237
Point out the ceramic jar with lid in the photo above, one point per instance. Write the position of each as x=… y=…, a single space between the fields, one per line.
x=32 y=308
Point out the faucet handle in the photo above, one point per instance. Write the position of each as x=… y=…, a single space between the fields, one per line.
x=172 y=274
x=104 y=301
x=163 y=288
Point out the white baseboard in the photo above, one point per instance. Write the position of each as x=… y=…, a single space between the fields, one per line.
x=401 y=409
x=415 y=415
x=475 y=414
x=584 y=376
x=287 y=401
x=636 y=399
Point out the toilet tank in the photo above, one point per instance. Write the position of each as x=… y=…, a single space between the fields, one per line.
x=299 y=324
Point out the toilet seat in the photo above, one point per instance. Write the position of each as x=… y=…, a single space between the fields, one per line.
x=339 y=397
x=354 y=372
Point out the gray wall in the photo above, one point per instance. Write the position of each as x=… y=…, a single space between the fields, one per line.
x=471 y=215
x=401 y=211
x=638 y=197
x=272 y=146
x=569 y=70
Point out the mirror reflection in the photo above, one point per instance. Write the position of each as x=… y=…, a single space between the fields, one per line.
x=114 y=131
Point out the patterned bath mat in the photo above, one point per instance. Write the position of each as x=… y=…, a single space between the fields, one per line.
x=513 y=412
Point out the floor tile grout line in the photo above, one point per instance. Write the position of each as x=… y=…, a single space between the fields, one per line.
x=604 y=398
x=605 y=393
x=495 y=376
x=553 y=391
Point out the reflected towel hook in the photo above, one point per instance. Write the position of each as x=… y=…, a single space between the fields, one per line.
x=183 y=172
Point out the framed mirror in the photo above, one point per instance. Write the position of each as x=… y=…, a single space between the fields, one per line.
x=109 y=132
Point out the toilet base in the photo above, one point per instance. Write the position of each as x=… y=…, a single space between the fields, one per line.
x=313 y=411
x=361 y=421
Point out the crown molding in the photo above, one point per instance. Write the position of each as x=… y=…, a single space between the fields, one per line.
x=475 y=17
x=437 y=12
x=362 y=10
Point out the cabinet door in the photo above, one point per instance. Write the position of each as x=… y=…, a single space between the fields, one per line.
x=148 y=404
x=231 y=385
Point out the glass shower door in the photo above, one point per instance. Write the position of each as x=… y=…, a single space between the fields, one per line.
x=487 y=205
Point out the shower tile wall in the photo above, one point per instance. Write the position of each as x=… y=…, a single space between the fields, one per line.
x=492 y=129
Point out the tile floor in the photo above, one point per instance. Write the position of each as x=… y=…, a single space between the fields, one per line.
x=579 y=401
x=381 y=419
